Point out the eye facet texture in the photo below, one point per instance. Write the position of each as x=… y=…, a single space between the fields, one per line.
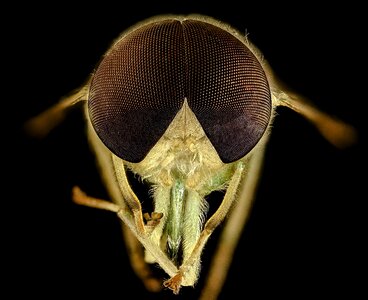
x=142 y=82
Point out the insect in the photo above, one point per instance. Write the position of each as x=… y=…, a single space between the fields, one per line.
x=187 y=104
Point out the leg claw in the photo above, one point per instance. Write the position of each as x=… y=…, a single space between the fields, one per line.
x=174 y=283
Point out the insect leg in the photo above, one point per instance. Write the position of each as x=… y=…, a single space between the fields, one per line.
x=110 y=168
x=40 y=125
x=233 y=228
x=334 y=130
x=139 y=266
x=82 y=198
x=129 y=196
x=125 y=215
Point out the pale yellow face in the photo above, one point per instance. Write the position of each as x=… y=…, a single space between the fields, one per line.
x=183 y=152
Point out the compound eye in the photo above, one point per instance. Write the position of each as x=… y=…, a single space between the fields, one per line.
x=228 y=90
x=138 y=88
x=142 y=82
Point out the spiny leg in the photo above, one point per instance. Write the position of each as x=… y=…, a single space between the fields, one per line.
x=233 y=228
x=113 y=172
x=128 y=194
x=138 y=263
x=175 y=282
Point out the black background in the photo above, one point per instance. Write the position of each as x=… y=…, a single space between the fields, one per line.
x=305 y=234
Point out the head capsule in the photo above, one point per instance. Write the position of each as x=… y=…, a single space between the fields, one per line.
x=142 y=81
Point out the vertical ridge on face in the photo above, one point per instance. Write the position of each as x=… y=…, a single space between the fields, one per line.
x=138 y=88
x=227 y=89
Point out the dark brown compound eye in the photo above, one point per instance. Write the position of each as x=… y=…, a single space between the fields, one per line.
x=142 y=83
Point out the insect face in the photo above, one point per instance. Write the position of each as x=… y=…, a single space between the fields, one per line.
x=148 y=74
x=185 y=103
